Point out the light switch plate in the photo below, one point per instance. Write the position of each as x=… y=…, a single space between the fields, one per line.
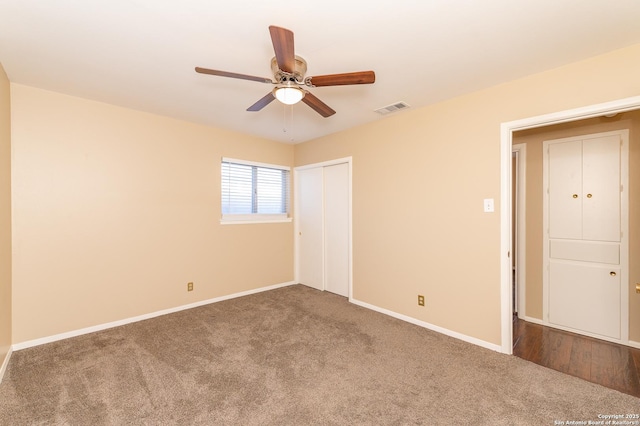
x=488 y=205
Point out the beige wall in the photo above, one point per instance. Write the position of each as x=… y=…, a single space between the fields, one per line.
x=418 y=224
x=116 y=210
x=5 y=216
x=533 y=139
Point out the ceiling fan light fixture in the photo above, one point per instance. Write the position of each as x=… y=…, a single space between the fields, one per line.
x=288 y=95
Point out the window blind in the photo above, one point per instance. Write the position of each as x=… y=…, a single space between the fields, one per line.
x=254 y=189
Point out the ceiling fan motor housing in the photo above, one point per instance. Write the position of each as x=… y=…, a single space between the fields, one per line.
x=296 y=76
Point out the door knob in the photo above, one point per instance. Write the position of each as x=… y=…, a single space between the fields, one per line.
x=589 y=195
x=575 y=195
x=612 y=273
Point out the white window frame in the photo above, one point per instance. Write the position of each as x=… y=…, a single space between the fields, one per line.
x=232 y=219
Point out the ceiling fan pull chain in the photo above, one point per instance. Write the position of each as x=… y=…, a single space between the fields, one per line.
x=284 y=118
x=291 y=124
x=287 y=128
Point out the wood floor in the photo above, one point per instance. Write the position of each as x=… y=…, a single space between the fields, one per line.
x=611 y=365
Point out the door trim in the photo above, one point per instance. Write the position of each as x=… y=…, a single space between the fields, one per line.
x=296 y=247
x=506 y=141
x=521 y=228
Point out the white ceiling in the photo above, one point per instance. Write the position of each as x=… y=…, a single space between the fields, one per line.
x=141 y=54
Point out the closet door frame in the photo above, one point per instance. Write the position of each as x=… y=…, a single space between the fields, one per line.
x=296 y=217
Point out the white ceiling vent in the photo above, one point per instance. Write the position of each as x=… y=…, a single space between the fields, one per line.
x=392 y=108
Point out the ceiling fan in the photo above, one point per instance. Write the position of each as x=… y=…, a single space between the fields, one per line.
x=289 y=76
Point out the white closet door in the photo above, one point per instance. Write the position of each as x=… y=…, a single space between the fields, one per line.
x=601 y=188
x=586 y=256
x=585 y=297
x=565 y=190
x=336 y=235
x=310 y=227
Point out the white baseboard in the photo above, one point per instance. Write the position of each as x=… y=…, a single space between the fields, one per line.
x=534 y=320
x=80 y=332
x=430 y=326
x=5 y=363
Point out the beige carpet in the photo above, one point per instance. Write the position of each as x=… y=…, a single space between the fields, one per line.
x=292 y=356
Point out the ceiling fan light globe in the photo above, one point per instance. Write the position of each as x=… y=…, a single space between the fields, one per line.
x=288 y=95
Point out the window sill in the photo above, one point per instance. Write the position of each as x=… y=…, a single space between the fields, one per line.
x=263 y=219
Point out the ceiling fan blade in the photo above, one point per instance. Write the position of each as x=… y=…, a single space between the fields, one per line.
x=360 y=77
x=282 y=40
x=317 y=105
x=233 y=75
x=266 y=100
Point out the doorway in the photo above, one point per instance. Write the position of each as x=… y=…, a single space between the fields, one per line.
x=322 y=226
x=507 y=131
x=562 y=249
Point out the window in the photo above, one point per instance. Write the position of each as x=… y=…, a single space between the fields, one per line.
x=254 y=192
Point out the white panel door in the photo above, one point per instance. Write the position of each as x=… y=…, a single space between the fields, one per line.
x=310 y=227
x=585 y=253
x=585 y=297
x=565 y=190
x=336 y=235
x=601 y=188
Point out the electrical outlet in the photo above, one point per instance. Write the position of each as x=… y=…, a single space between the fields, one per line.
x=420 y=300
x=189 y=286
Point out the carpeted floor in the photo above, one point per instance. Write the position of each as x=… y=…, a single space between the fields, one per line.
x=292 y=356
